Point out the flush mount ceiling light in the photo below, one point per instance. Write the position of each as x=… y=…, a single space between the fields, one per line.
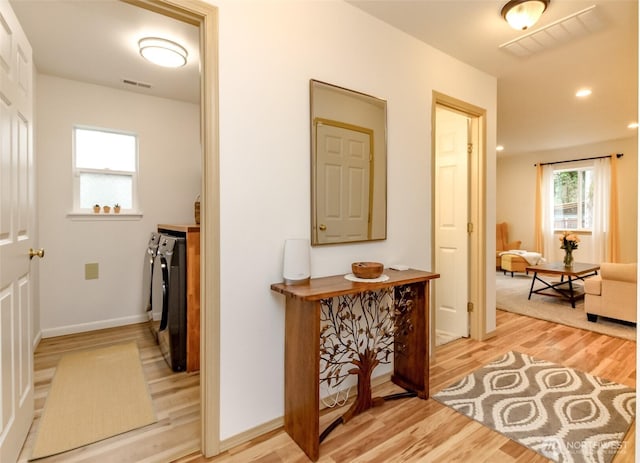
x=163 y=52
x=522 y=14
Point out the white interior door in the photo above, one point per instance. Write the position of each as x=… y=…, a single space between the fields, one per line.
x=451 y=219
x=342 y=189
x=17 y=225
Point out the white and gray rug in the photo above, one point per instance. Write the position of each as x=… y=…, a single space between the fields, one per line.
x=563 y=414
x=512 y=293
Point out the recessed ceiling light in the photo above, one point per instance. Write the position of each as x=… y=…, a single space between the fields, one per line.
x=499 y=148
x=633 y=125
x=583 y=92
x=163 y=52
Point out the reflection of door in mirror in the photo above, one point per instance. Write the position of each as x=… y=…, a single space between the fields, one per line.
x=349 y=177
x=343 y=166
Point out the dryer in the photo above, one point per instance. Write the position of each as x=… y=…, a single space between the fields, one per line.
x=168 y=297
x=147 y=272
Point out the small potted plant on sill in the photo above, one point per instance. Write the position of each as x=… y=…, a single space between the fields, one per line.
x=106 y=209
x=116 y=208
x=96 y=208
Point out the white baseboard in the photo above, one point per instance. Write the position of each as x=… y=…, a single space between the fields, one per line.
x=489 y=335
x=252 y=433
x=92 y=326
x=37 y=340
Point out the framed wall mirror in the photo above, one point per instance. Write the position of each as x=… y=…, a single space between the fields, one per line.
x=348 y=165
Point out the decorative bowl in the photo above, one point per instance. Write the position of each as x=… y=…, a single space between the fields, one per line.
x=367 y=269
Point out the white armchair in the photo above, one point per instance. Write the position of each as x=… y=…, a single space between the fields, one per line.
x=612 y=294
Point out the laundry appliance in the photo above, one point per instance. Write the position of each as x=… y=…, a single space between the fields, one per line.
x=147 y=273
x=169 y=298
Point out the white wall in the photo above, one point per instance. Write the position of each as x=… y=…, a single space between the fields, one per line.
x=516 y=194
x=169 y=165
x=268 y=51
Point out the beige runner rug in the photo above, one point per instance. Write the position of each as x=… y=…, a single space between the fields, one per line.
x=94 y=395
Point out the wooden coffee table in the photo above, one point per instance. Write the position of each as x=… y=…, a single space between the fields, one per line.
x=565 y=289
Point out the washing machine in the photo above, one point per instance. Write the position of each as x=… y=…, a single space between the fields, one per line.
x=169 y=298
x=147 y=273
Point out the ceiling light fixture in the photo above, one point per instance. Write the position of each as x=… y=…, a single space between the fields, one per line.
x=583 y=92
x=499 y=148
x=163 y=52
x=633 y=125
x=522 y=14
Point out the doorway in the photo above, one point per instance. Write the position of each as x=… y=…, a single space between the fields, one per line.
x=453 y=145
x=461 y=222
x=205 y=16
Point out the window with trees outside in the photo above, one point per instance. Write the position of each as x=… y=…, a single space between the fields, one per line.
x=105 y=169
x=573 y=199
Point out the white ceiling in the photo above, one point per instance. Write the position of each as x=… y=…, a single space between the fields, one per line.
x=537 y=109
x=95 y=41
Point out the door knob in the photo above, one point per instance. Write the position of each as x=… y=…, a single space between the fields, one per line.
x=323 y=227
x=36 y=252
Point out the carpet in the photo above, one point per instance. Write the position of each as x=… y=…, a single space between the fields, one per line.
x=511 y=296
x=94 y=395
x=561 y=413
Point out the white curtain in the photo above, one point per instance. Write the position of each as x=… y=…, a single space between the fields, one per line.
x=548 y=238
x=603 y=223
x=601 y=199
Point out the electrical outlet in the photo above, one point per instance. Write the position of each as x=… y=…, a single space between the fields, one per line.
x=91 y=271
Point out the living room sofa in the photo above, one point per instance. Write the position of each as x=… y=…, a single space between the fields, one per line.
x=612 y=293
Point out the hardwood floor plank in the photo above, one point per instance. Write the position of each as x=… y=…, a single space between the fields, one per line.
x=511 y=451
x=414 y=430
x=408 y=430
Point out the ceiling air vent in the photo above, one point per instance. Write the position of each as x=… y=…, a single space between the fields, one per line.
x=559 y=32
x=136 y=83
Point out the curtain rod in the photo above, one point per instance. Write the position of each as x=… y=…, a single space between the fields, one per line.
x=618 y=155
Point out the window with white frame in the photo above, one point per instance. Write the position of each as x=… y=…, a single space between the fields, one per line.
x=105 y=168
x=573 y=199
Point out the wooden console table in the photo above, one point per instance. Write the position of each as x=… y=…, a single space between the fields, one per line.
x=302 y=345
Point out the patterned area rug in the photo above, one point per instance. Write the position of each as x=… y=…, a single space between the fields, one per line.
x=561 y=413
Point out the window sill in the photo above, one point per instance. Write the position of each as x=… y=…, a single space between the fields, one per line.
x=576 y=232
x=91 y=216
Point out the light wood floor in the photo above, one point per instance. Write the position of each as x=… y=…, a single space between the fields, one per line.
x=176 y=400
x=413 y=430
x=401 y=431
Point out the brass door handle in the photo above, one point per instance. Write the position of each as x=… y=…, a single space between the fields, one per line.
x=36 y=252
x=322 y=227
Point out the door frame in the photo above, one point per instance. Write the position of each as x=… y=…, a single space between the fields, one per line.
x=205 y=16
x=477 y=212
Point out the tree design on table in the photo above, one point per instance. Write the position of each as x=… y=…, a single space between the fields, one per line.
x=356 y=341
